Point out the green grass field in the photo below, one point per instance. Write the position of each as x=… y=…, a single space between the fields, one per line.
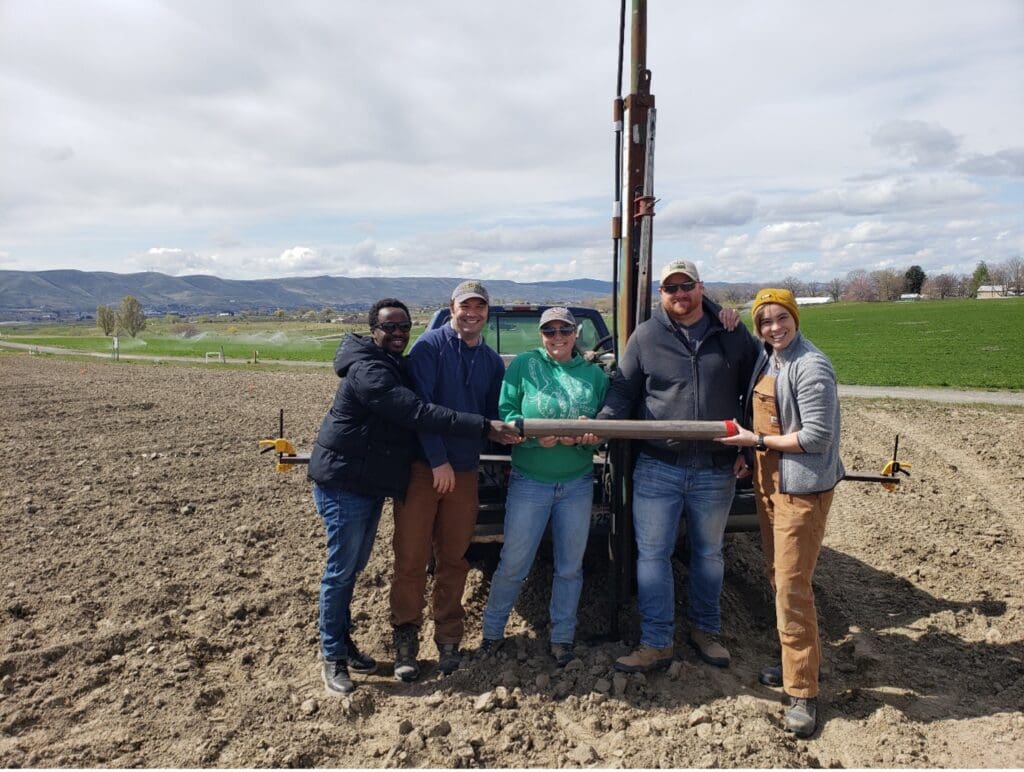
x=284 y=340
x=966 y=344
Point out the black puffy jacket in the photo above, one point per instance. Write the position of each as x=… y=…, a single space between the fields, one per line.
x=367 y=439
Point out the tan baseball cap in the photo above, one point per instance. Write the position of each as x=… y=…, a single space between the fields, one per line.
x=470 y=289
x=680 y=266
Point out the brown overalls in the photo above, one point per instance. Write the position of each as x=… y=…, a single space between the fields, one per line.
x=792 y=529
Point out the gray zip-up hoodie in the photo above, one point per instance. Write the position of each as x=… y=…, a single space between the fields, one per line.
x=807 y=396
x=662 y=377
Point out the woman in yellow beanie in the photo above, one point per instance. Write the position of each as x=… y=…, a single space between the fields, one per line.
x=793 y=409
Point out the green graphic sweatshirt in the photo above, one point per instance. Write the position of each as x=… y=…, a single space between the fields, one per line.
x=537 y=386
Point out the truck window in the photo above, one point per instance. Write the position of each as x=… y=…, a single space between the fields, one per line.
x=512 y=334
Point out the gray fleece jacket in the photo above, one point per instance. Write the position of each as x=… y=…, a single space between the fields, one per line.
x=808 y=401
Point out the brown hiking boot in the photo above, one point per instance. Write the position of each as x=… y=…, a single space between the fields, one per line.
x=709 y=648
x=645 y=659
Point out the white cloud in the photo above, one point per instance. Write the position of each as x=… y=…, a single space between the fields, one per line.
x=407 y=138
x=923 y=144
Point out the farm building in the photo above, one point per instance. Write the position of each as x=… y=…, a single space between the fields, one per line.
x=991 y=291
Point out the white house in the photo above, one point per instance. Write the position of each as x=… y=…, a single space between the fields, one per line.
x=991 y=291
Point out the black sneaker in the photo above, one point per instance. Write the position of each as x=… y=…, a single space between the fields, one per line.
x=449 y=657
x=563 y=653
x=490 y=646
x=336 y=679
x=770 y=675
x=802 y=716
x=407 y=646
x=357 y=661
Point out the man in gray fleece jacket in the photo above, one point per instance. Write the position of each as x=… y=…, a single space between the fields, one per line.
x=681 y=364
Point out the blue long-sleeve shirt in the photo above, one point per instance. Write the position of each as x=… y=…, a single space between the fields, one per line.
x=445 y=371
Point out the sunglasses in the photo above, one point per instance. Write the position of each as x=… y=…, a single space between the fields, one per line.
x=671 y=289
x=390 y=327
x=550 y=332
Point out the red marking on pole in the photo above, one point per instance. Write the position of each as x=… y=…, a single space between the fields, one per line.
x=731 y=429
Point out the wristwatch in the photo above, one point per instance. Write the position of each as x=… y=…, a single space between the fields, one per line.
x=759 y=445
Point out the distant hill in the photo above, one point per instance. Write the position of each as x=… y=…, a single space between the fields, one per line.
x=64 y=293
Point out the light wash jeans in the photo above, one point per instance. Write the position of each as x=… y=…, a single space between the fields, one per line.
x=351 y=523
x=661 y=494
x=528 y=508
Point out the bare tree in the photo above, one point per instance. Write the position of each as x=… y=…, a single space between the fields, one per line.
x=860 y=286
x=132 y=317
x=1013 y=270
x=106 y=319
x=793 y=284
x=939 y=286
x=835 y=289
x=889 y=284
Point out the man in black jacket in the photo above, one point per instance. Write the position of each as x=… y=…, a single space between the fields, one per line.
x=362 y=454
x=681 y=364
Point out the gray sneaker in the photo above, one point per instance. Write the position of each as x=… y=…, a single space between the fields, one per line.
x=802 y=716
x=407 y=647
x=709 y=647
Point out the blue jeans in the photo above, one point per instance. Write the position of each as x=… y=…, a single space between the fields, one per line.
x=529 y=507
x=351 y=524
x=661 y=493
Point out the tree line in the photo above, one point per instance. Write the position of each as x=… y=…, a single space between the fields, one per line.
x=890 y=284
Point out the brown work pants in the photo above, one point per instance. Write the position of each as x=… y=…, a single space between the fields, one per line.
x=427 y=521
x=792 y=530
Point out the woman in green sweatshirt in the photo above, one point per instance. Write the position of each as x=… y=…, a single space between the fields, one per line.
x=552 y=479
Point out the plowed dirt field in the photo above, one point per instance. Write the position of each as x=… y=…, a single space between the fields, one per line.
x=159 y=584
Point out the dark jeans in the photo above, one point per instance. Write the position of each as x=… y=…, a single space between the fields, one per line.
x=351 y=523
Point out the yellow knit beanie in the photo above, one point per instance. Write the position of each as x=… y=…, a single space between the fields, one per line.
x=781 y=297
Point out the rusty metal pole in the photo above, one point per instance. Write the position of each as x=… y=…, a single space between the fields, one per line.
x=633 y=285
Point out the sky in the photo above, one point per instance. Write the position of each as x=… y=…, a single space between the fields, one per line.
x=473 y=138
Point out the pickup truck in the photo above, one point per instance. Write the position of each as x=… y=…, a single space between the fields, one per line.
x=511 y=330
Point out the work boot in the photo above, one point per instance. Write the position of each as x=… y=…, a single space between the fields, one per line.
x=407 y=646
x=357 y=661
x=489 y=647
x=802 y=716
x=770 y=675
x=645 y=659
x=709 y=647
x=563 y=653
x=336 y=678
x=449 y=657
